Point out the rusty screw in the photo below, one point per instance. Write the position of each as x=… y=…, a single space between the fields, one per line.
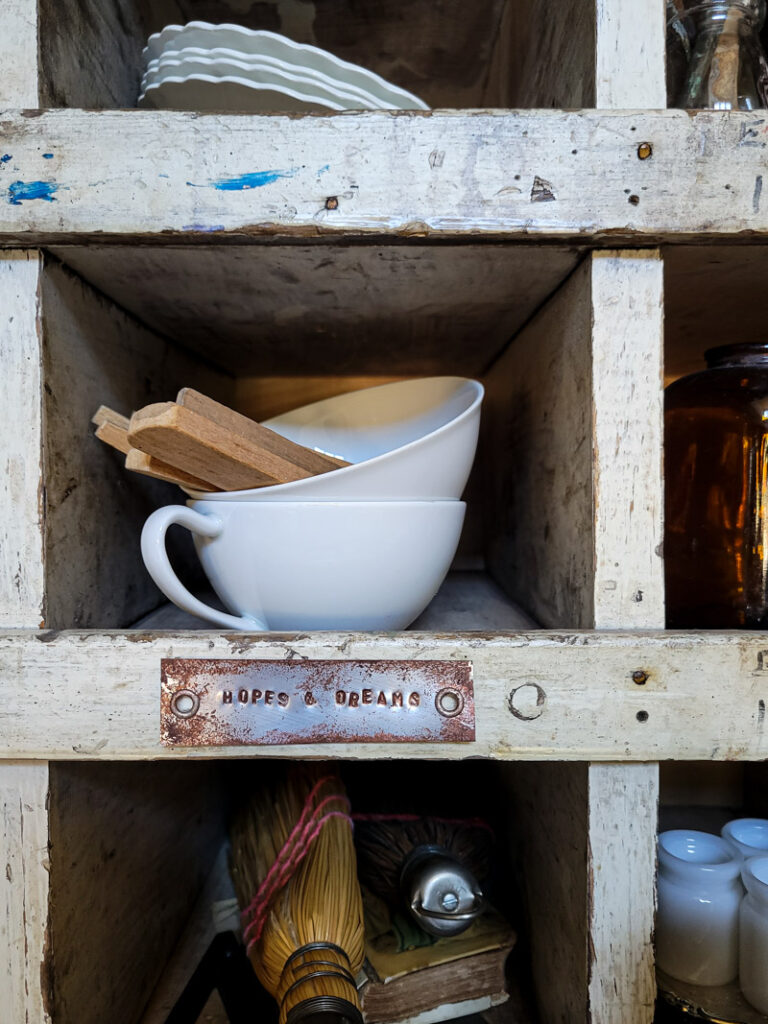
x=645 y=150
x=332 y=203
x=640 y=677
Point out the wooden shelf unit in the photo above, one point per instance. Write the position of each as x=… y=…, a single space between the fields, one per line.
x=529 y=247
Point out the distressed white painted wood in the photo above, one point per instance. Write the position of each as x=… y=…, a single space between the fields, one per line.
x=22 y=499
x=467 y=600
x=627 y=422
x=97 y=694
x=325 y=309
x=24 y=883
x=131 y=845
x=623 y=804
x=18 y=54
x=603 y=53
x=630 y=54
x=549 y=824
x=537 y=174
x=94 y=354
x=575 y=406
x=537 y=440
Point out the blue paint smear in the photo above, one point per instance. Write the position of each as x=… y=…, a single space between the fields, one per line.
x=204 y=227
x=47 y=156
x=323 y=169
x=21 y=190
x=5 y=158
x=256 y=179
x=163 y=175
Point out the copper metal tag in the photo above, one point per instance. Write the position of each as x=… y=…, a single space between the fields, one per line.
x=222 y=702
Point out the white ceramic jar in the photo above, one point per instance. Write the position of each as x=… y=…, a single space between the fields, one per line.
x=700 y=890
x=747 y=835
x=753 y=935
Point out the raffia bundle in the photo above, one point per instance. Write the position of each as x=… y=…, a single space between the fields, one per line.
x=294 y=871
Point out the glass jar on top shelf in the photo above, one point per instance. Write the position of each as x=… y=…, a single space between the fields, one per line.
x=727 y=69
x=716 y=487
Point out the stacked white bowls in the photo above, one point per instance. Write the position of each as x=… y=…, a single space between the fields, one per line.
x=362 y=547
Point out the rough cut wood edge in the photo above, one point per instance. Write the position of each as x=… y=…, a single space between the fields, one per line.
x=630 y=54
x=627 y=390
x=549 y=815
x=623 y=815
x=94 y=354
x=22 y=501
x=536 y=451
x=18 y=54
x=97 y=695
x=24 y=997
x=131 y=845
x=575 y=175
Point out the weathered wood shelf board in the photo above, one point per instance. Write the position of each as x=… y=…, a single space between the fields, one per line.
x=538 y=695
x=611 y=177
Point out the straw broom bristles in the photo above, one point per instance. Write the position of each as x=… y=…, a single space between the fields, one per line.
x=319 y=901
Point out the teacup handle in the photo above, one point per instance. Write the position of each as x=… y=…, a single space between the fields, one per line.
x=155 y=557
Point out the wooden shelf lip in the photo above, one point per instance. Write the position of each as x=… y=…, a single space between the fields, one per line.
x=84 y=695
x=77 y=176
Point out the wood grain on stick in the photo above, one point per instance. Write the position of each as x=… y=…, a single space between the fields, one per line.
x=140 y=462
x=305 y=458
x=197 y=445
x=114 y=436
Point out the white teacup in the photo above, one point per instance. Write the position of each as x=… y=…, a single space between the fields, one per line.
x=310 y=565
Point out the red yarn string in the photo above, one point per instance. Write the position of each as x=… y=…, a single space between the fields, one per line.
x=285 y=851
x=262 y=911
x=294 y=850
x=279 y=875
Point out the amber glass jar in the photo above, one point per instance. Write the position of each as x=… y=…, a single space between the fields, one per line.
x=716 y=483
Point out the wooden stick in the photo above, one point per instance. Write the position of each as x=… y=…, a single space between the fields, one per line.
x=115 y=436
x=306 y=458
x=140 y=462
x=106 y=415
x=197 y=445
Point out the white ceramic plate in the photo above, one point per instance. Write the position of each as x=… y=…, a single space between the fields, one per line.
x=203 y=92
x=373 y=99
x=260 y=74
x=205 y=35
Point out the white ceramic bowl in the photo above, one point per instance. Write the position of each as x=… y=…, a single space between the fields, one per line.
x=408 y=441
x=310 y=565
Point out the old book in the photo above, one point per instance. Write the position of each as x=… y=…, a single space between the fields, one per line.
x=404 y=983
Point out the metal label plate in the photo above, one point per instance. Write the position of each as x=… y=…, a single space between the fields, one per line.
x=222 y=702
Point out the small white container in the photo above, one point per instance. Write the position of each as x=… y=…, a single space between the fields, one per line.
x=700 y=891
x=749 y=836
x=753 y=937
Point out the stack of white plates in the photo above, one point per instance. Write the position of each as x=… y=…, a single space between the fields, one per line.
x=227 y=67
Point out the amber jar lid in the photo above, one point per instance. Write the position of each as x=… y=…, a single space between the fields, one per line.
x=748 y=353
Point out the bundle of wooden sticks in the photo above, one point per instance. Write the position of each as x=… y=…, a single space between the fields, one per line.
x=205 y=446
